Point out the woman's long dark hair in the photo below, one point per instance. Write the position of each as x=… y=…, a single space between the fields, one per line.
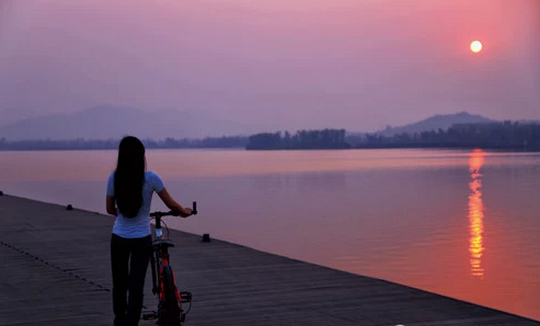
x=129 y=176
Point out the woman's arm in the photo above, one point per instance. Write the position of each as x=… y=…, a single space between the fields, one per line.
x=111 y=206
x=172 y=204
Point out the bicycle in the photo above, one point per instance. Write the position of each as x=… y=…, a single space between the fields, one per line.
x=170 y=311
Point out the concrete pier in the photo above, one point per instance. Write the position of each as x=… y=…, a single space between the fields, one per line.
x=55 y=270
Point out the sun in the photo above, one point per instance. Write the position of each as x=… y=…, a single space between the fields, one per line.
x=476 y=46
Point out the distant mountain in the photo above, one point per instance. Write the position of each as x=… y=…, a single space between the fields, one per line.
x=106 y=122
x=436 y=122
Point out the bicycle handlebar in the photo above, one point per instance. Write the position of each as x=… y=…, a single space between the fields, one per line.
x=172 y=213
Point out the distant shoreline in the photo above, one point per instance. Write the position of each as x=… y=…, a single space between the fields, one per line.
x=433 y=147
x=506 y=135
x=511 y=136
x=112 y=144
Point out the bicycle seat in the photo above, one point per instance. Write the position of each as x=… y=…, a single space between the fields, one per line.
x=163 y=242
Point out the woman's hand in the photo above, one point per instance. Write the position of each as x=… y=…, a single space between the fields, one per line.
x=186 y=212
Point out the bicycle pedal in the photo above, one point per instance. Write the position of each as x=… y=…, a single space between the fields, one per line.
x=185 y=296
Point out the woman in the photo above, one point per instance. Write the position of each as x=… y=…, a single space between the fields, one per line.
x=129 y=194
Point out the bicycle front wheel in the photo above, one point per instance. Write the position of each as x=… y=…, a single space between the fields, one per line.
x=170 y=309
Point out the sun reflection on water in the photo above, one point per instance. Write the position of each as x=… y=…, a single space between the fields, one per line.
x=476 y=214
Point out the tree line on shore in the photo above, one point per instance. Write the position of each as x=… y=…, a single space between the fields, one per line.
x=302 y=139
x=91 y=144
x=501 y=135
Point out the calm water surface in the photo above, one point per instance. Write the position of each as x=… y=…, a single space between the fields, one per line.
x=460 y=223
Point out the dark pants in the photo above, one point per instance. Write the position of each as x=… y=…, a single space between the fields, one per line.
x=129 y=262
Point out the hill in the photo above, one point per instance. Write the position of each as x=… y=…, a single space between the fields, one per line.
x=436 y=122
x=108 y=122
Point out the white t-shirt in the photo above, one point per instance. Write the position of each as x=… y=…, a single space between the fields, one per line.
x=138 y=226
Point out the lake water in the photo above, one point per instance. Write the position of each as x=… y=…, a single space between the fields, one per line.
x=459 y=223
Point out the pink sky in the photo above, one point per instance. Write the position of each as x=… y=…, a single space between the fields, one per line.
x=290 y=64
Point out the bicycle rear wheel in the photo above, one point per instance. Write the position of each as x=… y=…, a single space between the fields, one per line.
x=169 y=309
